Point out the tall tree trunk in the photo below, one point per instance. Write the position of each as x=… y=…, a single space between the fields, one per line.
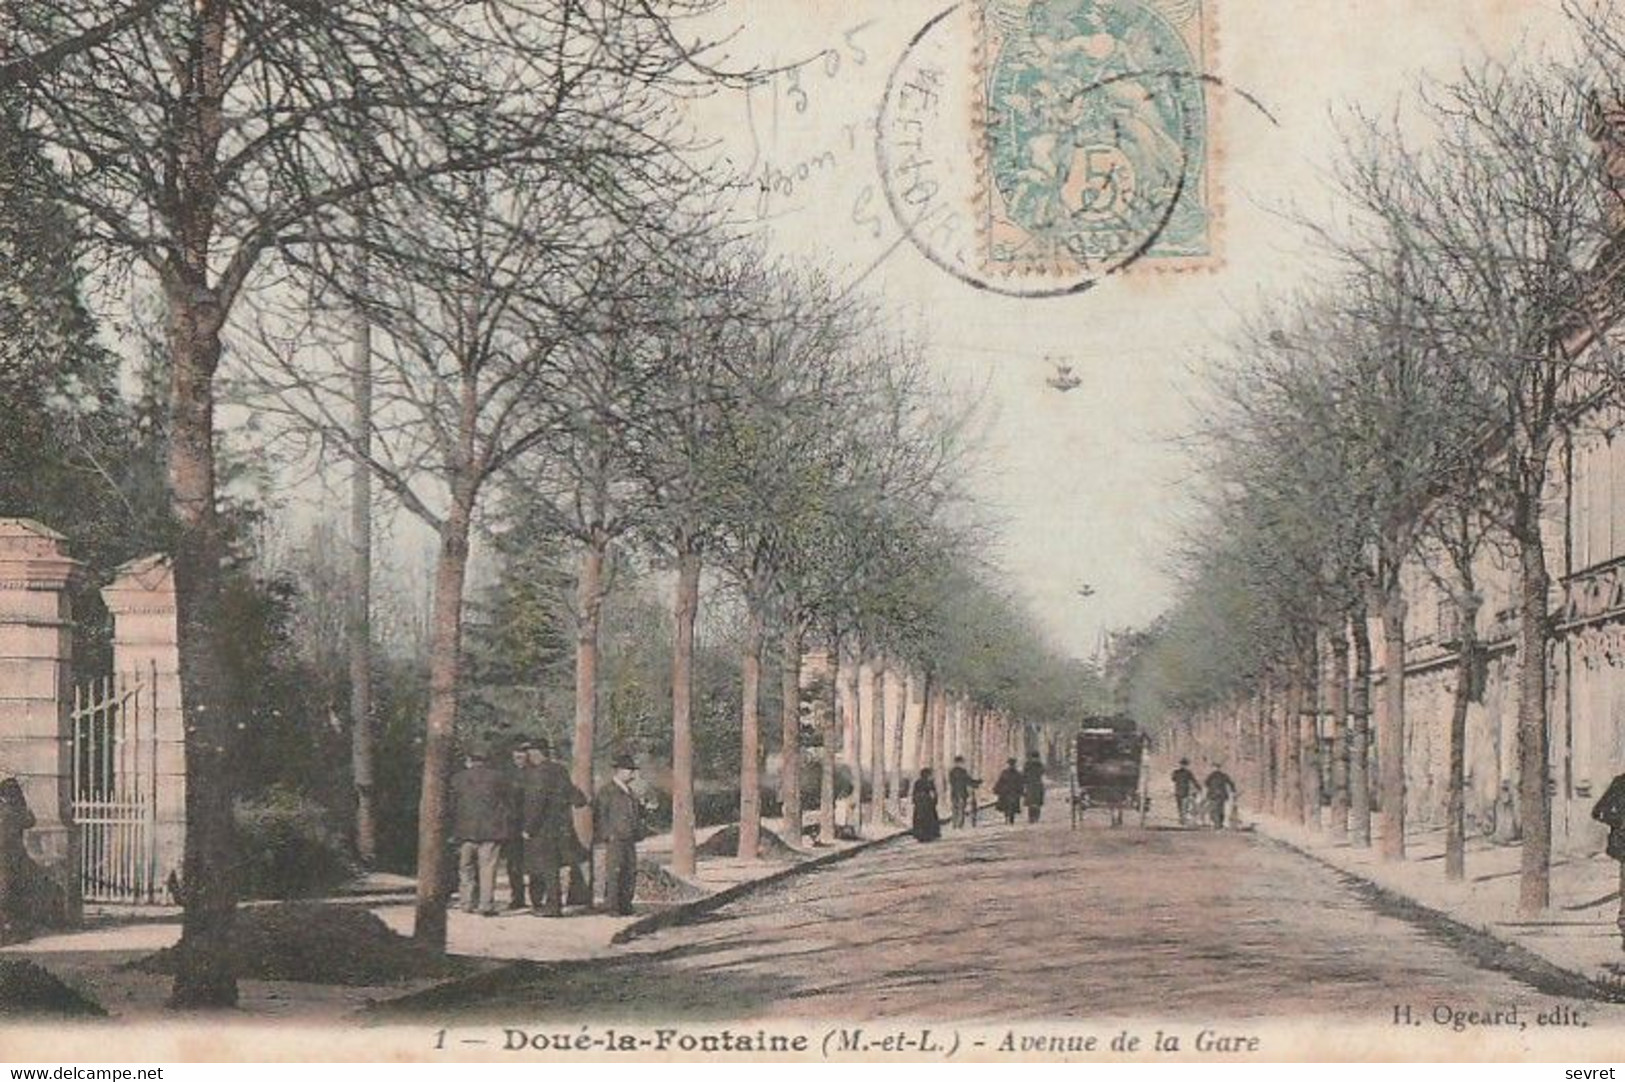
x=685 y=609
x=359 y=611
x=1292 y=743
x=445 y=664
x=206 y=973
x=877 y=742
x=846 y=673
x=750 y=735
x=854 y=747
x=1455 y=813
x=1360 y=730
x=829 y=727
x=1309 y=738
x=927 y=691
x=1534 y=803
x=589 y=618
x=1391 y=735
x=933 y=705
x=978 y=743
x=1258 y=742
x=1267 y=765
x=1337 y=703
x=901 y=681
x=790 y=730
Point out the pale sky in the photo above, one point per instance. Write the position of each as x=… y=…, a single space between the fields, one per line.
x=1088 y=482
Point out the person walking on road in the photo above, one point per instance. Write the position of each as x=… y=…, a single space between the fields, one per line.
x=617 y=824
x=1610 y=811
x=1220 y=792
x=1185 y=788
x=927 y=826
x=481 y=819
x=960 y=790
x=1007 y=791
x=1032 y=778
x=551 y=844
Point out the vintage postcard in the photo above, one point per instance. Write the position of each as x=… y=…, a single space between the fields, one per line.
x=749 y=530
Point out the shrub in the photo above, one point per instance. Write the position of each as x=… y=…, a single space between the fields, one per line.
x=321 y=944
x=27 y=990
x=288 y=847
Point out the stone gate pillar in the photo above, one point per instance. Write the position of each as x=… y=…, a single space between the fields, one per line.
x=146 y=647
x=36 y=688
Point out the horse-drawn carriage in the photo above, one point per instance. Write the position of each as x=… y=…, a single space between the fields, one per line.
x=1109 y=769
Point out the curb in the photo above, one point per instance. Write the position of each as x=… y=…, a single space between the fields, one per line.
x=1489 y=949
x=685 y=912
x=494 y=980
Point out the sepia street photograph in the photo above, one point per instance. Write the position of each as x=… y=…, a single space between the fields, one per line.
x=884 y=531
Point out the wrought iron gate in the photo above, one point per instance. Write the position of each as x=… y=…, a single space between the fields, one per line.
x=115 y=788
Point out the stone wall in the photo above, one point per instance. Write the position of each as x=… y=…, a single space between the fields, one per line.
x=36 y=738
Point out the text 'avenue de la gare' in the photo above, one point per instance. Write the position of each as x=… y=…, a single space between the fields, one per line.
x=917 y=1041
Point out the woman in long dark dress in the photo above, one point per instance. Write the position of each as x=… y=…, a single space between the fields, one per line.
x=927 y=827
x=15 y=819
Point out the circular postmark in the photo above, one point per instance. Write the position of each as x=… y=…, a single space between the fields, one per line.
x=1072 y=148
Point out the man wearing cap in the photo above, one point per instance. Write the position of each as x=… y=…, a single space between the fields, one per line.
x=961 y=787
x=550 y=834
x=480 y=820
x=617 y=822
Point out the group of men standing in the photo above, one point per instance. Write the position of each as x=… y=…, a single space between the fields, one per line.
x=1218 y=790
x=525 y=816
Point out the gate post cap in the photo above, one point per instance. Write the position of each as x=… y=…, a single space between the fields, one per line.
x=34 y=557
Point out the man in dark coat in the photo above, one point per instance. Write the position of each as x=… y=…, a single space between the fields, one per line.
x=1033 y=786
x=1007 y=790
x=1185 y=786
x=513 y=849
x=1610 y=811
x=481 y=819
x=960 y=788
x=1220 y=792
x=617 y=823
x=551 y=844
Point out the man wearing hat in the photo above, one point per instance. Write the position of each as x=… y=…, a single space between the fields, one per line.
x=513 y=847
x=480 y=820
x=1032 y=777
x=550 y=834
x=1008 y=790
x=617 y=822
x=1185 y=789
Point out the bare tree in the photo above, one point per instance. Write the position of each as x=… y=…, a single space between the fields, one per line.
x=204 y=141
x=42 y=36
x=711 y=320
x=1506 y=216
x=473 y=306
x=777 y=454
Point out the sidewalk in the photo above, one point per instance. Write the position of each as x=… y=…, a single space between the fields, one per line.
x=1576 y=935
x=95 y=959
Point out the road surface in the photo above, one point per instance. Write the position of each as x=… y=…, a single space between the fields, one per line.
x=1005 y=923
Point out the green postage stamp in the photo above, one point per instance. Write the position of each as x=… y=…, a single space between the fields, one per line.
x=1095 y=127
